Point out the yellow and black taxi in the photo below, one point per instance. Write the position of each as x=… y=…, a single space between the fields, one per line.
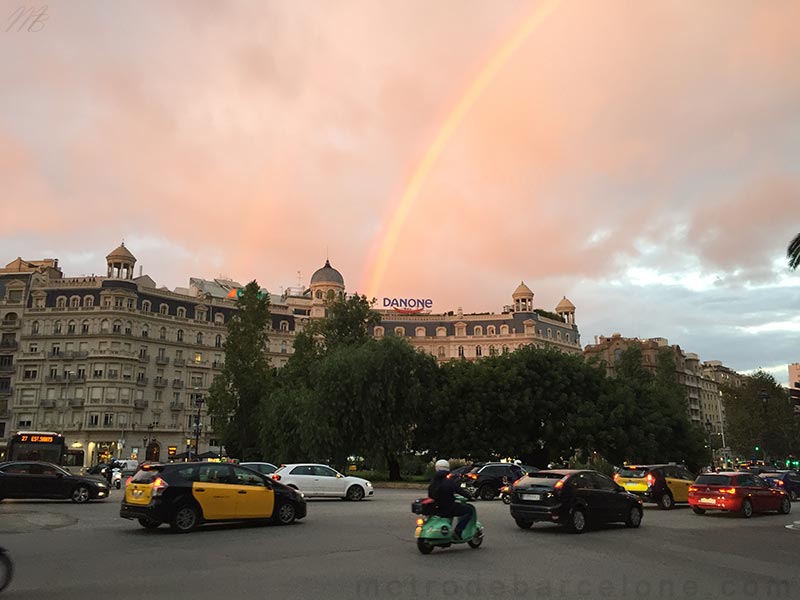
x=188 y=494
x=663 y=484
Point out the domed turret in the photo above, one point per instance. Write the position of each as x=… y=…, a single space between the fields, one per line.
x=523 y=298
x=326 y=284
x=566 y=310
x=120 y=263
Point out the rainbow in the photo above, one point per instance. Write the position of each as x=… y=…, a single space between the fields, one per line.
x=377 y=265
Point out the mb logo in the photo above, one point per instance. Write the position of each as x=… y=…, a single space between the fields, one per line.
x=27 y=18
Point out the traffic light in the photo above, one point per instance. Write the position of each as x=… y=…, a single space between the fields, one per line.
x=757 y=448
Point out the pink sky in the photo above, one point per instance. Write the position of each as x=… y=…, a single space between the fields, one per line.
x=637 y=157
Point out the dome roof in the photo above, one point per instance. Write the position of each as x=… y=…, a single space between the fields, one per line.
x=327 y=274
x=121 y=253
x=565 y=305
x=522 y=290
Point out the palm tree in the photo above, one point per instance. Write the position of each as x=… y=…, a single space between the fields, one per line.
x=793 y=252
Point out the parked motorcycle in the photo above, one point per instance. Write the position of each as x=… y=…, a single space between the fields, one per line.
x=434 y=531
x=6 y=569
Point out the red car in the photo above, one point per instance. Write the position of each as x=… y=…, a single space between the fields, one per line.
x=743 y=493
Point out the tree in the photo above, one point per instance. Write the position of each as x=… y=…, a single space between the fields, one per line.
x=236 y=395
x=347 y=323
x=793 y=252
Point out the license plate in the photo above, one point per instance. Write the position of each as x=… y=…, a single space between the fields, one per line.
x=531 y=496
x=707 y=501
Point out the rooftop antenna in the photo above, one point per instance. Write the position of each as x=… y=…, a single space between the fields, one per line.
x=299 y=280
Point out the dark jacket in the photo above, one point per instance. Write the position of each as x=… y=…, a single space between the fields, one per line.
x=443 y=489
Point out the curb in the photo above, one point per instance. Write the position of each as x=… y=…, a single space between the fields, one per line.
x=399 y=485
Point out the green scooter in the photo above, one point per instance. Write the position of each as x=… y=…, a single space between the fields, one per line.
x=435 y=531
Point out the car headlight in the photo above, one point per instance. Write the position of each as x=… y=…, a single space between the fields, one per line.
x=369 y=484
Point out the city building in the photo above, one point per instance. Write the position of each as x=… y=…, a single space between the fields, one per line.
x=794 y=385
x=122 y=367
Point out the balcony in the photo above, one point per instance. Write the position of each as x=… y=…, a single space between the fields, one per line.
x=144 y=358
x=217 y=364
x=176 y=405
x=76 y=402
x=179 y=362
x=7 y=391
x=112 y=375
x=113 y=352
x=48 y=403
x=139 y=404
x=7 y=368
x=177 y=384
x=53 y=379
x=162 y=360
x=160 y=382
x=9 y=345
x=10 y=323
x=56 y=354
x=142 y=381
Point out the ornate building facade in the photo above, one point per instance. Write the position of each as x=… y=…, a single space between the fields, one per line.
x=122 y=367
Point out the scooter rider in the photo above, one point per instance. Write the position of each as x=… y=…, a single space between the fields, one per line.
x=443 y=489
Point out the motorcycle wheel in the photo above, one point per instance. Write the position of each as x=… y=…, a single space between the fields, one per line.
x=424 y=546
x=6 y=571
x=476 y=540
x=506 y=498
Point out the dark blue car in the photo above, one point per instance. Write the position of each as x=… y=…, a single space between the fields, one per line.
x=788 y=481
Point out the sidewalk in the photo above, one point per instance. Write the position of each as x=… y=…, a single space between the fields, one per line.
x=400 y=485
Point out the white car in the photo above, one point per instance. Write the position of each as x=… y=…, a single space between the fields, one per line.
x=264 y=468
x=318 y=481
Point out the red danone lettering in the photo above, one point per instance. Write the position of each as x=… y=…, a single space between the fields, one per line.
x=408 y=306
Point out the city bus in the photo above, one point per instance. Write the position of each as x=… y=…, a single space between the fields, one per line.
x=46 y=446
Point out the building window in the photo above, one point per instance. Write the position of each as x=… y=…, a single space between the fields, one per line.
x=74 y=302
x=181 y=312
x=146 y=306
x=61 y=302
x=94 y=420
x=441 y=332
x=319 y=295
x=199 y=315
x=218 y=342
x=379 y=332
x=478 y=330
x=478 y=351
x=145 y=331
x=117 y=328
x=490 y=330
x=420 y=332
x=85 y=327
x=35 y=327
x=503 y=329
x=549 y=332
x=284 y=326
x=71 y=327
x=88 y=301
x=162 y=333
x=180 y=335
x=461 y=351
x=128 y=328
x=108 y=419
x=163 y=309
x=400 y=331
x=200 y=339
x=440 y=352
x=219 y=318
x=558 y=335
x=57 y=327
x=284 y=347
x=568 y=338
x=505 y=349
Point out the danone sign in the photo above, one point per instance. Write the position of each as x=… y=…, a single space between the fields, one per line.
x=408 y=306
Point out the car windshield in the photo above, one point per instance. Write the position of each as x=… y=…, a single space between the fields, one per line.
x=146 y=476
x=773 y=475
x=713 y=480
x=544 y=479
x=634 y=472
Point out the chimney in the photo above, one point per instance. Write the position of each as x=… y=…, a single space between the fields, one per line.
x=140 y=270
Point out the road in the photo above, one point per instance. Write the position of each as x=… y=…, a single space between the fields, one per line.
x=366 y=550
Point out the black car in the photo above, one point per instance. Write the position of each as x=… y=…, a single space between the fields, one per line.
x=485 y=480
x=31 y=479
x=188 y=494
x=574 y=499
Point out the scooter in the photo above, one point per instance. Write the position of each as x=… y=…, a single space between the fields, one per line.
x=505 y=494
x=435 y=531
x=6 y=569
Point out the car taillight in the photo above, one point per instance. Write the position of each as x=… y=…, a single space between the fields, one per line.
x=128 y=480
x=650 y=479
x=692 y=488
x=472 y=475
x=276 y=477
x=159 y=485
x=559 y=484
x=616 y=476
x=779 y=482
x=731 y=491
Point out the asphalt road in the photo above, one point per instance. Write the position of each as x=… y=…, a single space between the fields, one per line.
x=366 y=550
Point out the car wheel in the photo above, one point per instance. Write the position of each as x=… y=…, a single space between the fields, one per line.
x=355 y=493
x=486 y=493
x=577 y=521
x=792 y=495
x=523 y=524
x=424 y=546
x=666 y=502
x=286 y=514
x=747 y=508
x=634 y=517
x=186 y=519
x=699 y=511
x=149 y=523
x=786 y=506
x=80 y=494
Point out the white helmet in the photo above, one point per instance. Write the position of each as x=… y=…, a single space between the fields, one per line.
x=518 y=462
x=442 y=465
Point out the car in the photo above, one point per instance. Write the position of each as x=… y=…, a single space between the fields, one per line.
x=317 y=480
x=737 y=492
x=663 y=484
x=788 y=481
x=264 y=468
x=485 y=480
x=186 y=495
x=35 y=479
x=573 y=498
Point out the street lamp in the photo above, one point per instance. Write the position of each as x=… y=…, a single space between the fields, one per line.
x=198 y=399
x=764 y=397
x=65 y=404
x=710 y=447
